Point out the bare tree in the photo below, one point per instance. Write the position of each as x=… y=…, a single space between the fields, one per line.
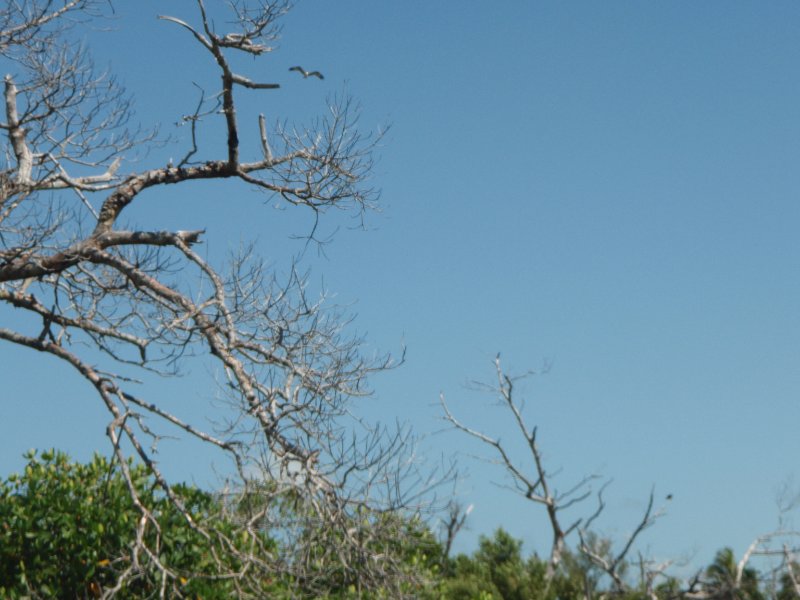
x=725 y=578
x=537 y=485
x=108 y=300
x=454 y=522
x=612 y=563
x=768 y=567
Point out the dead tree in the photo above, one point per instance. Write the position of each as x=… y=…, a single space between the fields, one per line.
x=536 y=486
x=768 y=564
x=613 y=564
x=451 y=525
x=108 y=300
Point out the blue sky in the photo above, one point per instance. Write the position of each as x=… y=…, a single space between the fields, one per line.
x=608 y=186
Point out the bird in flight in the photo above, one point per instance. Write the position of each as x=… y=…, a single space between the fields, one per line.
x=307 y=74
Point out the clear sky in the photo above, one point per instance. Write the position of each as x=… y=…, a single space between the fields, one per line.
x=608 y=186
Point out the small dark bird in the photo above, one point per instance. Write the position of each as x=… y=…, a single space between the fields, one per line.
x=669 y=496
x=307 y=74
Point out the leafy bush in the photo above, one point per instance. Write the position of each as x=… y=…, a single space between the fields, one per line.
x=69 y=530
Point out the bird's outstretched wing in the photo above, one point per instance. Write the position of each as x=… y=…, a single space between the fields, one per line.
x=305 y=73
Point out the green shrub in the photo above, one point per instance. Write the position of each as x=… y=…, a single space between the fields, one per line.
x=68 y=530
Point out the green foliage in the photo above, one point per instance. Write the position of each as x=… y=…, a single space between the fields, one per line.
x=393 y=557
x=787 y=590
x=68 y=530
x=497 y=570
x=62 y=526
x=721 y=579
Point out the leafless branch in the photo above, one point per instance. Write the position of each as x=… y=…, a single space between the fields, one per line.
x=535 y=486
x=611 y=564
x=144 y=300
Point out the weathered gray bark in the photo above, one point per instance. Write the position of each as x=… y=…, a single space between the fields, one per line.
x=285 y=362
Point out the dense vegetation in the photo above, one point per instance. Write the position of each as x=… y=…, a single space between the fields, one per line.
x=69 y=529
